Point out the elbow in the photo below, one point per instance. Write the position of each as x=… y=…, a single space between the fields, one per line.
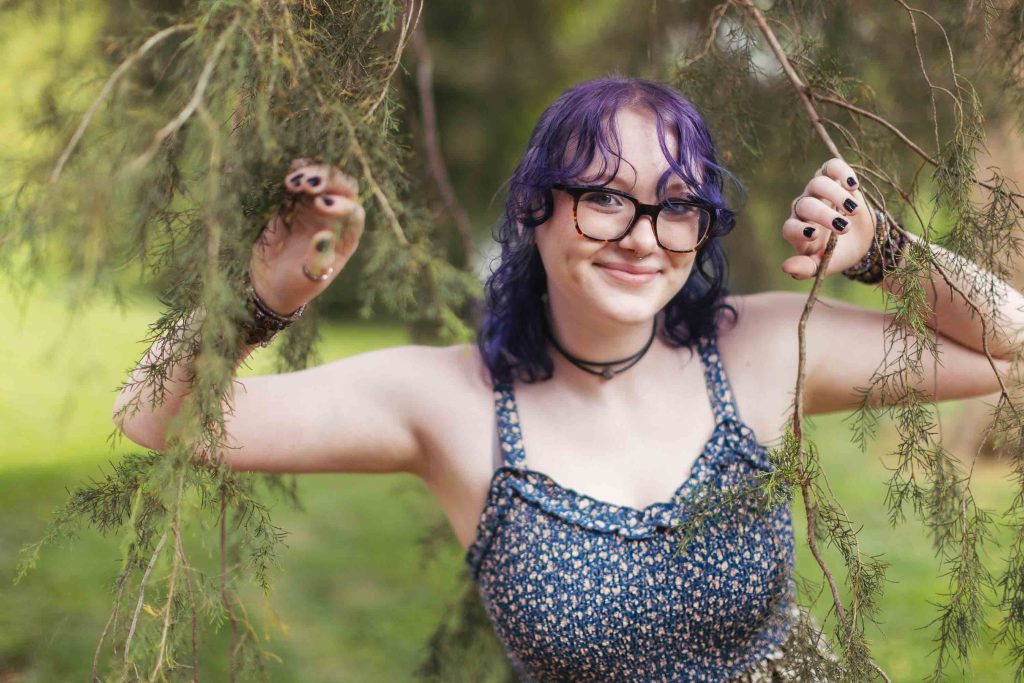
x=134 y=431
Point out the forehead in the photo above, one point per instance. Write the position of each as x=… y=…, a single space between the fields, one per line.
x=640 y=149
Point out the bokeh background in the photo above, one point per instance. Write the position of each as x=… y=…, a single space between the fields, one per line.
x=356 y=596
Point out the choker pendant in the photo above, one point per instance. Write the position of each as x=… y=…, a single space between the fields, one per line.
x=604 y=369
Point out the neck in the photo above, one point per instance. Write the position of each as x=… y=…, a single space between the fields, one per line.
x=596 y=341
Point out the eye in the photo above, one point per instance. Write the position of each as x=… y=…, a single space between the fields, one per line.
x=678 y=206
x=602 y=200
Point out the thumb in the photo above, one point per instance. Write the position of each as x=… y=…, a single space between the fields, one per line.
x=801 y=267
x=273 y=234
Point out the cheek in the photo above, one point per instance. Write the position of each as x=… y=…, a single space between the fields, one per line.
x=561 y=250
x=683 y=270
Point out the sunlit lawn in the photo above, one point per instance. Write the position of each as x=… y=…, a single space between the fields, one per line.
x=351 y=601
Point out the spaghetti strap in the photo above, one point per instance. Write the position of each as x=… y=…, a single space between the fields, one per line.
x=719 y=390
x=510 y=433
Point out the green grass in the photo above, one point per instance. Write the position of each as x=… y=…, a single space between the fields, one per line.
x=351 y=600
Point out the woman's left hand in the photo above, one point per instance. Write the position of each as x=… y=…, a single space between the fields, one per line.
x=831 y=202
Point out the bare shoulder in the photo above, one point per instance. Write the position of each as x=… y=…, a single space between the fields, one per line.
x=763 y=332
x=451 y=406
x=760 y=354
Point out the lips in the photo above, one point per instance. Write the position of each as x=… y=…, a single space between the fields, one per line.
x=628 y=273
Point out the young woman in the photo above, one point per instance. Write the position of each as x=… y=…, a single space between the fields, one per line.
x=613 y=377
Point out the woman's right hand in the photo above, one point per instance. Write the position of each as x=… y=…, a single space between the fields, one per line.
x=300 y=252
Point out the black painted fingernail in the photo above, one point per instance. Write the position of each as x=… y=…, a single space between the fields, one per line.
x=850 y=205
x=851 y=181
x=313 y=180
x=323 y=245
x=327 y=201
x=839 y=224
x=297 y=179
x=808 y=232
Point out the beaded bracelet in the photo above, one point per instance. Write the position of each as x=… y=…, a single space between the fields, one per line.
x=264 y=323
x=883 y=255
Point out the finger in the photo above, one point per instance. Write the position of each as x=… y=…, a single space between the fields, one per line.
x=813 y=210
x=839 y=171
x=826 y=188
x=347 y=245
x=273 y=234
x=801 y=267
x=334 y=205
x=805 y=237
x=310 y=179
x=320 y=258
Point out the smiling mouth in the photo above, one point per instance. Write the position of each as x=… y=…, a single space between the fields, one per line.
x=630 y=275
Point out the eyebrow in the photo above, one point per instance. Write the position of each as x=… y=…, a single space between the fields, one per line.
x=675 y=184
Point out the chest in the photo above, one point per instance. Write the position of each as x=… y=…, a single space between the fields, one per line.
x=628 y=455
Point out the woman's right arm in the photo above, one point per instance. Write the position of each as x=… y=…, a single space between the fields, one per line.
x=358 y=414
x=355 y=414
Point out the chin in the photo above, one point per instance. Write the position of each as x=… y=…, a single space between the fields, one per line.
x=632 y=305
x=630 y=310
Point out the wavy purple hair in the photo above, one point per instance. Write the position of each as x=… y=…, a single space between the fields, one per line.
x=578 y=127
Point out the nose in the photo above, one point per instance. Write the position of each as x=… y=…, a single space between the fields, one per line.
x=641 y=238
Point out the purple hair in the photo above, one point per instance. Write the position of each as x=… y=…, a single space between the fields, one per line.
x=574 y=130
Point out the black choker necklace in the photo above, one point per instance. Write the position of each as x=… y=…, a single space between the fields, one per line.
x=604 y=369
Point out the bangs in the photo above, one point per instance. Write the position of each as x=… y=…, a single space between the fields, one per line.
x=602 y=142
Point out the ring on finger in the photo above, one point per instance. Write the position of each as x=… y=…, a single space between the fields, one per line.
x=796 y=205
x=319 y=275
x=823 y=169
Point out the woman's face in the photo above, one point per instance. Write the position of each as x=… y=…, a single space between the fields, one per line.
x=624 y=282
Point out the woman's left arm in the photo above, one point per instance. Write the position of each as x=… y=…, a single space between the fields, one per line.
x=967 y=302
x=846 y=345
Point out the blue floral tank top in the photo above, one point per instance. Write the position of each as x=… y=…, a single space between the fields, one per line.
x=579 y=589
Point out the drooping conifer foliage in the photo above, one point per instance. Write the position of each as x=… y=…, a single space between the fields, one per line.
x=935 y=188
x=173 y=169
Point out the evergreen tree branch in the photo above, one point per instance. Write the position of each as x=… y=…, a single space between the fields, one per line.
x=225 y=599
x=122 y=68
x=848 y=106
x=714 y=21
x=194 y=102
x=142 y=596
x=176 y=562
x=409 y=22
x=924 y=70
x=375 y=188
x=192 y=606
x=122 y=584
x=798 y=412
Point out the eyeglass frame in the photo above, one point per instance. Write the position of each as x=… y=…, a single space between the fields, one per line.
x=642 y=209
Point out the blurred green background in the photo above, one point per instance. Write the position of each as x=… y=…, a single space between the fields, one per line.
x=353 y=599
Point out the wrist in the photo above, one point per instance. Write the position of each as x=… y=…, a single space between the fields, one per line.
x=883 y=255
x=263 y=323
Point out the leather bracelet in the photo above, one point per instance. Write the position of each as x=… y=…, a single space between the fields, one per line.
x=883 y=255
x=264 y=323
